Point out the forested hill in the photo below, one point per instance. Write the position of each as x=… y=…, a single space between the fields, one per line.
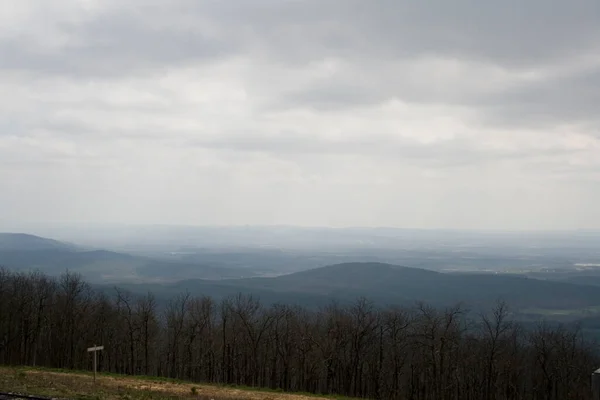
x=392 y=284
x=421 y=353
x=396 y=283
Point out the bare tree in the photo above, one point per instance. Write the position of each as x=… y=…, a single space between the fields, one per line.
x=396 y=353
x=176 y=314
x=494 y=328
x=146 y=313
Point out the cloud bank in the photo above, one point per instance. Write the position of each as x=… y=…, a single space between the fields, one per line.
x=402 y=113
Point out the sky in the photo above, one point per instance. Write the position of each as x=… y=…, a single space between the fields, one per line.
x=462 y=114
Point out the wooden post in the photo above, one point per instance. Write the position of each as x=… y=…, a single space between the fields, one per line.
x=94 y=350
x=596 y=385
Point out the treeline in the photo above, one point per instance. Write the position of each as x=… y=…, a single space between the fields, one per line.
x=357 y=350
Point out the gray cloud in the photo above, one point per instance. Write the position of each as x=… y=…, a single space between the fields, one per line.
x=573 y=99
x=114 y=44
x=511 y=32
x=467 y=101
x=569 y=98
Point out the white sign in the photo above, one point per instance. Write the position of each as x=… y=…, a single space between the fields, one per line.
x=95 y=350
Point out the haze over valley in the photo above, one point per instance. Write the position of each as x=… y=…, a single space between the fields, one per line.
x=545 y=274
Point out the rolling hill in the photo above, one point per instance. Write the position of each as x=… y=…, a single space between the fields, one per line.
x=392 y=284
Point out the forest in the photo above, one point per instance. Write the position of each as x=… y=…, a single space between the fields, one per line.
x=357 y=350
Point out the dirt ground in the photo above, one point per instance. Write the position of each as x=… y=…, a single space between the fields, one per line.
x=81 y=386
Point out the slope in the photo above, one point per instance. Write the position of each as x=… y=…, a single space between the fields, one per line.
x=23 y=242
x=80 y=385
x=27 y=252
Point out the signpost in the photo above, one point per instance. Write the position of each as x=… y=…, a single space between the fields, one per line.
x=94 y=350
x=596 y=384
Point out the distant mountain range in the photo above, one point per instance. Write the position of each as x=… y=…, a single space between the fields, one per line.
x=383 y=283
x=27 y=252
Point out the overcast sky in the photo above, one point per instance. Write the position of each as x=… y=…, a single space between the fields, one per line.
x=407 y=113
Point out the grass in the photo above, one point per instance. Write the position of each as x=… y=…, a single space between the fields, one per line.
x=79 y=385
